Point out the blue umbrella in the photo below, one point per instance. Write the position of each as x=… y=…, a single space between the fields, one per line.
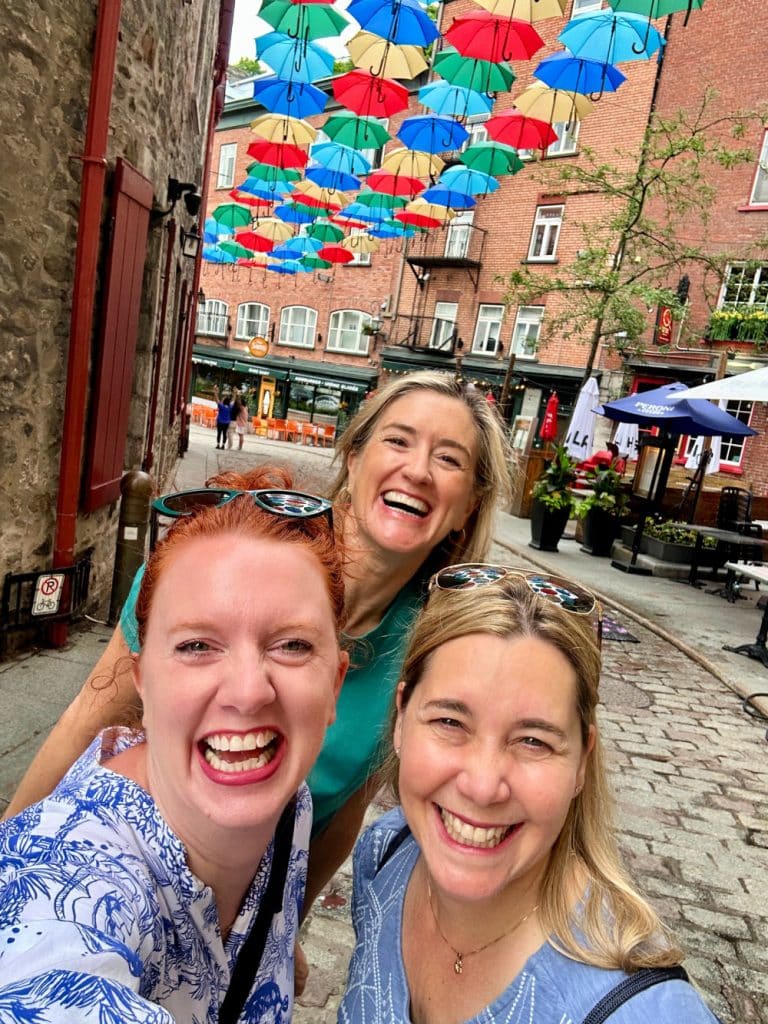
x=295 y=99
x=288 y=213
x=302 y=244
x=326 y=178
x=294 y=60
x=271 y=190
x=448 y=197
x=213 y=254
x=213 y=231
x=454 y=100
x=692 y=416
x=577 y=74
x=464 y=179
x=358 y=211
x=611 y=38
x=429 y=133
x=336 y=157
x=399 y=21
x=285 y=267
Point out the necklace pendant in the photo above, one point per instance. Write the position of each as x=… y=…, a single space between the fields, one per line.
x=458 y=964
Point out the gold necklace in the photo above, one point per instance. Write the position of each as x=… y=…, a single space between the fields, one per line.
x=458 y=963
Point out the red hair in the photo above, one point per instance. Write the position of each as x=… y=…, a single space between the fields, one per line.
x=242 y=517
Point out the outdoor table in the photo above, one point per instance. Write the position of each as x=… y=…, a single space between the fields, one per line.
x=757 y=650
x=729 y=537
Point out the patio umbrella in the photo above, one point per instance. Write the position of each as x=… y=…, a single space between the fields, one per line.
x=297 y=99
x=525 y=10
x=340 y=158
x=577 y=74
x=303 y=21
x=684 y=416
x=552 y=105
x=327 y=178
x=355 y=131
x=282 y=128
x=395 y=184
x=232 y=215
x=466 y=180
x=627 y=438
x=366 y=94
x=294 y=60
x=610 y=37
x=429 y=133
x=279 y=154
x=399 y=21
x=581 y=430
x=472 y=72
x=493 y=38
x=454 y=100
x=515 y=129
x=381 y=57
x=493 y=158
x=745 y=387
x=548 y=428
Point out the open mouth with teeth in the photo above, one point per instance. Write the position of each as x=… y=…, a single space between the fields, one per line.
x=237 y=753
x=475 y=836
x=405 y=503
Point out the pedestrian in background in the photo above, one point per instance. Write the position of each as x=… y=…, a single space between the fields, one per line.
x=223 y=418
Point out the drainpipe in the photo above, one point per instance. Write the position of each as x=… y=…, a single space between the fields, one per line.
x=158 y=348
x=84 y=290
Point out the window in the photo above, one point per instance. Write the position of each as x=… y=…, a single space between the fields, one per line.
x=252 y=320
x=475 y=125
x=297 y=326
x=212 y=318
x=227 y=157
x=443 y=325
x=546 y=231
x=585 y=6
x=732 y=449
x=488 y=329
x=345 y=333
x=745 y=287
x=759 y=195
x=525 y=334
x=360 y=259
x=567 y=138
x=458 y=235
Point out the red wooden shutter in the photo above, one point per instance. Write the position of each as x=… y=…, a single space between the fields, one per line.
x=116 y=342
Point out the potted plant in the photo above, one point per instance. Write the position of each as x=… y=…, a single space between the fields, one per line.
x=602 y=510
x=552 y=504
x=671 y=541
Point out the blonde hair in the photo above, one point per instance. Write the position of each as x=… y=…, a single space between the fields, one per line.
x=492 y=474
x=613 y=926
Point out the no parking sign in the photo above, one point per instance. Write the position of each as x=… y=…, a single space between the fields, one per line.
x=47 y=594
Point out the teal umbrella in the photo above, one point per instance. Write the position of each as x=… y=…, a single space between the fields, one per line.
x=325 y=232
x=357 y=132
x=473 y=73
x=232 y=215
x=492 y=158
x=303 y=21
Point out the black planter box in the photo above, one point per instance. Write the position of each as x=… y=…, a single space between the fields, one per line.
x=600 y=531
x=547 y=527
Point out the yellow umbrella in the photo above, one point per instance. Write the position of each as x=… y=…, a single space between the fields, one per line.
x=552 y=105
x=525 y=10
x=270 y=227
x=411 y=163
x=281 y=128
x=360 y=243
x=322 y=195
x=385 y=59
x=434 y=210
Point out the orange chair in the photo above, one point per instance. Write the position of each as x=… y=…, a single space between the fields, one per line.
x=259 y=427
x=309 y=432
x=276 y=429
x=327 y=435
x=292 y=432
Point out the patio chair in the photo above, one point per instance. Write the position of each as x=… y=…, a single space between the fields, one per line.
x=734 y=510
x=309 y=432
x=326 y=435
x=292 y=432
x=276 y=429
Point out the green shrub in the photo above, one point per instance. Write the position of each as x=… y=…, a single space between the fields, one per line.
x=553 y=488
x=608 y=494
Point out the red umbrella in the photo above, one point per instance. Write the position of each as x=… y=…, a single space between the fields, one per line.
x=490 y=37
x=278 y=154
x=417 y=220
x=248 y=200
x=521 y=132
x=395 y=184
x=369 y=96
x=257 y=243
x=335 y=254
x=548 y=428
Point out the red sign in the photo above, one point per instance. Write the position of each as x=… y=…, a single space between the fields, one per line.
x=664 y=322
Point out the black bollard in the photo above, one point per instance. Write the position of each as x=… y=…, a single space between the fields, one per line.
x=137 y=489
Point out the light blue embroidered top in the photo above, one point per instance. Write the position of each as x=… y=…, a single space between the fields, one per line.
x=550 y=989
x=101 y=920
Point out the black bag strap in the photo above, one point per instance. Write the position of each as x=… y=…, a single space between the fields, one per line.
x=251 y=951
x=630 y=987
x=394 y=844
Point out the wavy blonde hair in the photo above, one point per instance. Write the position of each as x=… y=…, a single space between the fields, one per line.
x=613 y=926
x=495 y=459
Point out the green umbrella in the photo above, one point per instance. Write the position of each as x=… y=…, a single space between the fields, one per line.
x=381 y=200
x=492 y=158
x=232 y=215
x=303 y=21
x=315 y=262
x=325 y=232
x=472 y=73
x=235 y=249
x=357 y=132
x=655 y=8
x=266 y=172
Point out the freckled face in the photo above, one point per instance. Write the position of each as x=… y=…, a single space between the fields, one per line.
x=414 y=481
x=491 y=756
x=237 y=688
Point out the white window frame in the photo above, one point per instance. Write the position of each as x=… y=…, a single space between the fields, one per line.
x=225 y=178
x=458 y=235
x=567 y=138
x=252 y=320
x=475 y=125
x=293 y=332
x=341 y=330
x=213 y=318
x=759 y=194
x=527 y=331
x=359 y=259
x=443 y=325
x=488 y=329
x=732 y=450
x=545 y=233
x=585 y=6
x=748 y=287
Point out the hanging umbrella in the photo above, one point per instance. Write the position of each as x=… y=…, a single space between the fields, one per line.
x=360 y=243
x=256 y=204
x=285 y=267
x=271 y=191
x=552 y=105
x=340 y=158
x=303 y=21
x=383 y=200
x=281 y=128
x=515 y=129
x=381 y=57
x=366 y=214
x=254 y=241
x=577 y=74
x=627 y=440
x=492 y=158
x=472 y=72
x=279 y=154
x=272 y=229
x=548 y=428
x=611 y=38
x=270 y=173
x=213 y=231
x=294 y=60
x=327 y=178
x=297 y=99
x=335 y=254
x=395 y=184
x=399 y=21
x=411 y=163
x=525 y=10
x=493 y=38
x=464 y=179
x=581 y=430
x=429 y=133
x=683 y=416
x=391 y=229
x=418 y=220
x=357 y=132
x=444 y=196
x=741 y=387
x=432 y=210
x=232 y=215
x=302 y=244
x=454 y=100
x=325 y=232
x=366 y=94
x=213 y=254
x=656 y=8
x=235 y=249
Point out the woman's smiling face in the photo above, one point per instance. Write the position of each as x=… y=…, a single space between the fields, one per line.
x=491 y=756
x=414 y=481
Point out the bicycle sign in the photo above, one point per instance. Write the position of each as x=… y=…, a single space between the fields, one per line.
x=47 y=594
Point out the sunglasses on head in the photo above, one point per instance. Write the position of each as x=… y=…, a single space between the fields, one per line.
x=555 y=589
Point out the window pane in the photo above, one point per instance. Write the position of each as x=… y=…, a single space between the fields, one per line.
x=227 y=155
x=760 y=188
x=525 y=335
x=297 y=326
x=488 y=329
x=345 y=332
x=443 y=324
x=546 y=230
x=252 y=320
x=731 y=450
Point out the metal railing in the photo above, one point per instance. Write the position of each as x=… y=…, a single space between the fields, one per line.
x=459 y=244
x=425 y=332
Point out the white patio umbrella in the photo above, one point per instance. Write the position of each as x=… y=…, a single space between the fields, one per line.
x=627 y=439
x=746 y=387
x=581 y=430
x=697 y=449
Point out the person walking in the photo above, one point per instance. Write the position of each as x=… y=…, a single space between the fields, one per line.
x=223 y=418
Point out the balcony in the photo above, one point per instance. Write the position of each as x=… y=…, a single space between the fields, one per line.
x=746 y=324
x=455 y=245
x=425 y=333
